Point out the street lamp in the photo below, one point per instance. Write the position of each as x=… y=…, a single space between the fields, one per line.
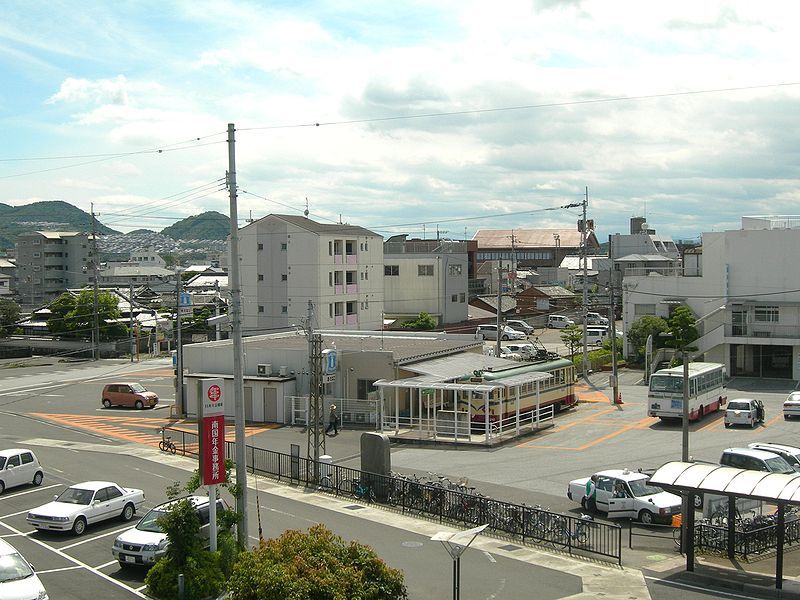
x=455 y=544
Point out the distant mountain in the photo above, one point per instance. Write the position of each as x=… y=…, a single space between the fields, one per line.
x=209 y=225
x=50 y=215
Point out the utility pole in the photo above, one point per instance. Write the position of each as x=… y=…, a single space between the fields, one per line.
x=612 y=319
x=499 y=308
x=180 y=407
x=316 y=434
x=96 y=308
x=585 y=362
x=235 y=313
x=130 y=310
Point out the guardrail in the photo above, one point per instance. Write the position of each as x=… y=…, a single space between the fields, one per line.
x=532 y=524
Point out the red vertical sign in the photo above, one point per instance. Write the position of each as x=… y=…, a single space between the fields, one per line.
x=213 y=450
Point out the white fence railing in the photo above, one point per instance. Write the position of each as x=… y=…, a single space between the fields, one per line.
x=351 y=411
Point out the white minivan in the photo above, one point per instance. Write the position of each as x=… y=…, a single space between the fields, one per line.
x=18 y=467
x=559 y=321
x=595 y=337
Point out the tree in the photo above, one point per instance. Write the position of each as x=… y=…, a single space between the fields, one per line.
x=682 y=330
x=644 y=327
x=9 y=315
x=572 y=336
x=313 y=565
x=74 y=315
x=424 y=321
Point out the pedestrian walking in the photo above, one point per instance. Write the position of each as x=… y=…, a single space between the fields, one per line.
x=333 y=421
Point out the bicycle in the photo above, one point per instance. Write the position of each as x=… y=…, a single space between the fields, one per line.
x=362 y=491
x=561 y=535
x=166 y=444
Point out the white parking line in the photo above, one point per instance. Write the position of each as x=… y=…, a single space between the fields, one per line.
x=22 y=512
x=57 y=570
x=79 y=563
x=97 y=537
x=37 y=489
x=108 y=564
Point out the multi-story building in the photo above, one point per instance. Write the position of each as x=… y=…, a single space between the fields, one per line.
x=425 y=276
x=287 y=260
x=742 y=290
x=7 y=272
x=533 y=248
x=49 y=262
x=148 y=257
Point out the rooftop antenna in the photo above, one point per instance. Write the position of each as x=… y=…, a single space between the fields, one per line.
x=305 y=212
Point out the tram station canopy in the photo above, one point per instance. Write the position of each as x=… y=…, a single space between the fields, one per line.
x=729 y=481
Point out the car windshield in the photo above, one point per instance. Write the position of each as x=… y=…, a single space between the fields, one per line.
x=778 y=465
x=76 y=496
x=738 y=406
x=2 y=462
x=665 y=383
x=149 y=521
x=138 y=388
x=642 y=487
x=13 y=567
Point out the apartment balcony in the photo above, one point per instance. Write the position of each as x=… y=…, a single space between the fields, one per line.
x=338 y=289
x=762 y=330
x=352 y=319
x=352 y=259
x=339 y=320
x=338 y=259
x=352 y=288
x=662 y=271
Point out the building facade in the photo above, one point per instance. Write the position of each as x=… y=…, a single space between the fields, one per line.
x=425 y=276
x=287 y=260
x=50 y=262
x=744 y=294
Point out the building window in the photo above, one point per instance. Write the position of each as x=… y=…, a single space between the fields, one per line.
x=366 y=274
x=362 y=277
x=284 y=277
x=283 y=246
x=766 y=314
x=391 y=270
x=454 y=298
x=284 y=309
x=330 y=248
x=351 y=307
x=425 y=270
x=462 y=297
x=455 y=270
x=330 y=310
x=37 y=242
x=260 y=246
x=260 y=308
x=330 y=278
x=260 y=277
x=639 y=310
x=37 y=254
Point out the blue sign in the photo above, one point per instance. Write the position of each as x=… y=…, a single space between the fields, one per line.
x=186 y=299
x=329 y=358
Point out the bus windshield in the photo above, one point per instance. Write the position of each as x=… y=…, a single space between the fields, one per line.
x=665 y=383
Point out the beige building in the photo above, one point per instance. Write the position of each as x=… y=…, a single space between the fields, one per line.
x=287 y=260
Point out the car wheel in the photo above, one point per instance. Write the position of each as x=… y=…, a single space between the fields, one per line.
x=727 y=425
x=128 y=512
x=2 y=487
x=106 y=402
x=646 y=517
x=139 y=405
x=37 y=479
x=504 y=338
x=785 y=417
x=79 y=526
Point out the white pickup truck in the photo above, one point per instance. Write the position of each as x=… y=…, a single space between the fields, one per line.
x=623 y=493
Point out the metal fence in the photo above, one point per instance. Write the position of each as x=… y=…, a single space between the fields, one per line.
x=531 y=524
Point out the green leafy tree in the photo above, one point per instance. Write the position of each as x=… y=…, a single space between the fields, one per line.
x=644 y=327
x=424 y=321
x=74 y=315
x=572 y=336
x=314 y=565
x=682 y=329
x=9 y=315
x=196 y=323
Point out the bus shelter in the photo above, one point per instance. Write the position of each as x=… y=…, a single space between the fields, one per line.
x=780 y=489
x=448 y=411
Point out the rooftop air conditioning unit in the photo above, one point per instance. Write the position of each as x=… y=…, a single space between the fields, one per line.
x=265 y=370
x=283 y=371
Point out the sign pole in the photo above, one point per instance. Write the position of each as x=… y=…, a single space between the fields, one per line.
x=212 y=516
x=213 y=447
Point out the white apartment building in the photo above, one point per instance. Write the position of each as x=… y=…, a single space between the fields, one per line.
x=287 y=260
x=148 y=258
x=425 y=276
x=744 y=293
x=49 y=262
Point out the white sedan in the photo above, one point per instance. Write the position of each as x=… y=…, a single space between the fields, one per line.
x=84 y=504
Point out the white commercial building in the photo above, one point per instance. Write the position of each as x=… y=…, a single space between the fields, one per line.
x=744 y=293
x=287 y=260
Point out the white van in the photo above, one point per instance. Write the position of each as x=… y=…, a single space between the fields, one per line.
x=559 y=321
x=595 y=337
x=19 y=466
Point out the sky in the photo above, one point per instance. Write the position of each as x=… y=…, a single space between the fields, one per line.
x=410 y=117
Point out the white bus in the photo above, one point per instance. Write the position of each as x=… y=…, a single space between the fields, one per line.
x=707 y=391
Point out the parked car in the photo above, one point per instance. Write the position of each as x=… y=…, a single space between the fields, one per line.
x=509 y=354
x=744 y=411
x=128 y=394
x=559 y=321
x=791 y=406
x=526 y=351
x=145 y=543
x=520 y=325
x=593 y=318
x=755 y=460
x=84 y=504
x=489 y=332
x=18 y=580
x=19 y=466
x=595 y=337
x=624 y=493
x=790 y=454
